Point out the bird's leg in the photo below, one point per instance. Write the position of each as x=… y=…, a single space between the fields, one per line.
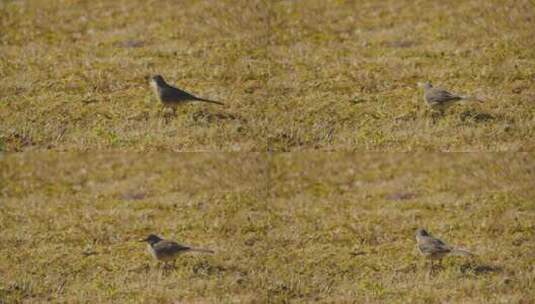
x=160 y=267
x=166 y=267
x=168 y=115
x=433 y=116
x=436 y=115
x=163 y=113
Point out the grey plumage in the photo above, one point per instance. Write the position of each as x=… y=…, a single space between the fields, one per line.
x=170 y=96
x=440 y=99
x=167 y=251
x=435 y=249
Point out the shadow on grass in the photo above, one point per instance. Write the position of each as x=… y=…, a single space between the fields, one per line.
x=206 y=116
x=15 y=290
x=132 y=195
x=205 y=268
x=284 y=141
x=400 y=196
x=479 y=269
x=17 y=140
x=472 y=115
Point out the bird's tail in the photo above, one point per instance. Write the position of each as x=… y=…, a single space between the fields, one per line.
x=462 y=252
x=471 y=98
x=201 y=250
x=210 y=101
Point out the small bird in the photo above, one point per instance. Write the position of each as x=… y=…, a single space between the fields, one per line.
x=170 y=96
x=167 y=251
x=434 y=249
x=439 y=99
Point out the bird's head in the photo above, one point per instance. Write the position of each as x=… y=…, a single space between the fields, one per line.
x=425 y=85
x=157 y=79
x=421 y=232
x=151 y=239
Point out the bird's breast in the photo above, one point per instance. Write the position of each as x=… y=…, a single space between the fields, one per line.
x=152 y=251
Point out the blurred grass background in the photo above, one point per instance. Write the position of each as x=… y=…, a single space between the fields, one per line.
x=297 y=227
x=71 y=224
x=344 y=74
x=74 y=74
x=296 y=75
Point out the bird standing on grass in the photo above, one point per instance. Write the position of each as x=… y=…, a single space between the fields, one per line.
x=167 y=251
x=170 y=96
x=434 y=249
x=439 y=99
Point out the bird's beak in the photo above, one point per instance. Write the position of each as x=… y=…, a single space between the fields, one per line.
x=142 y=240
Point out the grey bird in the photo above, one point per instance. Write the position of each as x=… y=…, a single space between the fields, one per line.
x=440 y=99
x=170 y=96
x=167 y=251
x=434 y=249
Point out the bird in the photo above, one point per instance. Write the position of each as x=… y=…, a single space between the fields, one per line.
x=435 y=249
x=440 y=99
x=170 y=96
x=167 y=251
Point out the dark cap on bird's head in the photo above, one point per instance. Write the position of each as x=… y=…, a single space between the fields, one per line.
x=421 y=232
x=158 y=79
x=151 y=239
x=426 y=85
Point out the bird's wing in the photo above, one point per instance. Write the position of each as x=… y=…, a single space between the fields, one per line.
x=433 y=245
x=187 y=96
x=439 y=95
x=169 y=247
x=175 y=94
x=171 y=93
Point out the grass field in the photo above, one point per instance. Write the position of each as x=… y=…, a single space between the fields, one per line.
x=296 y=75
x=345 y=73
x=298 y=183
x=297 y=227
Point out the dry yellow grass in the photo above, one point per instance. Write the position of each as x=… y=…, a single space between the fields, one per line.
x=296 y=75
x=306 y=227
x=344 y=74
x=71 y=224
x=323 y=75
x=73 y=74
